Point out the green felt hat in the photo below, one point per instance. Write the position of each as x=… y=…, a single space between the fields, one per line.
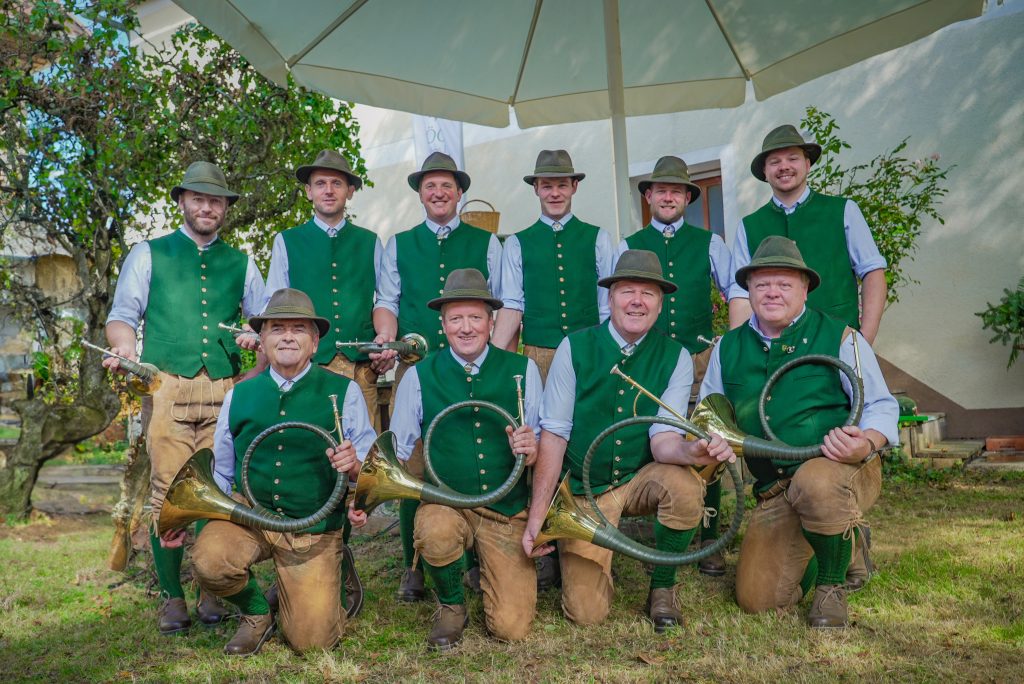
x=779 y=139
x=439 y=161
x=776 y=251
x=205 y=178
x=290 y=303
x=671 y=170
x=465 y=284
x=638 y=264
x=331 y=160
x=553 y=164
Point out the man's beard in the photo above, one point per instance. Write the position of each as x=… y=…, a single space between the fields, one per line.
x=190 y=221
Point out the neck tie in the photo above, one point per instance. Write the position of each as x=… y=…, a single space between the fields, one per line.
x=331 y=232
x=669 y=231
x=628 y=349
x=556 y=226
x=469 y=368
x=443 y=232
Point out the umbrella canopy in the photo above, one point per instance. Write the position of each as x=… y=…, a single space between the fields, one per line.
x=559 y=61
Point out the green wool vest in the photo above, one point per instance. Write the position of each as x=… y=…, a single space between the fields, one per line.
x=559 y=281
x=818 y=228
x=805 y=403
x=685 y=260
x=603 y=399
x=339 y=276
x=288 y=472
x=424 y=263
x=190 y=292
x=473 y=456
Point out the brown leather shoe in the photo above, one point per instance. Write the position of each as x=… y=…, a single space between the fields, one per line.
x=173 y=617
x=861 y=568
x=471 y=580
x=271 y=596
x=713 y=565
x=449 y=622
x=828 y=611
x=353 y=586
x=210 y=610
x=661 y=608
x=411 y=587
x=548 y=573
x=253 y=631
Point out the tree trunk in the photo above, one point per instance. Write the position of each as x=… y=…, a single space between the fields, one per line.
x=127 y=514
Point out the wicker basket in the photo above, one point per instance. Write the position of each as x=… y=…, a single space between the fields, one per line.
x=488 y=220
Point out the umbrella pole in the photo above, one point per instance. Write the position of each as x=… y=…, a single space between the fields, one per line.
x=617 y=104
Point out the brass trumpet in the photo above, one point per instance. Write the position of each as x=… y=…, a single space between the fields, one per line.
x=145 y=378
x=411 y=348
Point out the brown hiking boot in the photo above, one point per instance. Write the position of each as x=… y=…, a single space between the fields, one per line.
x=548 y=573
x=172 y=617
x=253 y=631
x=209 y=609
x=713 y=565
x=271 y=596
x=829 y=607
x=661 y=608
x=471 y=580
x=353 y=587
x=411 y=587
x=449 y=622
x=861 y=568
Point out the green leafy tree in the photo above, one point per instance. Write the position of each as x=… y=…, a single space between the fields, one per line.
x=895 y=193
x=94 y=131
x=1006 y=320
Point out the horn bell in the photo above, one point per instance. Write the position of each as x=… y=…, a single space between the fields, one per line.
x=194 y=495
x=715 y=413
x=383 y=477
x=565 y=519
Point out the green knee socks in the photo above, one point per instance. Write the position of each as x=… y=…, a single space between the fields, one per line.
x=671 y=541
x=833 y=554
x=447 y=582
x=167 y=563
x=406 y=524
x=250 y=600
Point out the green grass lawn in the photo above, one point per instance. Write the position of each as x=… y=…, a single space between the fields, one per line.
x=947 y=605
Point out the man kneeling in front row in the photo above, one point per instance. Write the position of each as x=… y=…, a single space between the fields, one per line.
x=289 y=474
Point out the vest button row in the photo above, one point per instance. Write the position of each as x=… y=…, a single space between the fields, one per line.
x=480 y=455
x=483 y=472
x=483 y=487
x=278 y=464
x=670 y=264
x=672 y=299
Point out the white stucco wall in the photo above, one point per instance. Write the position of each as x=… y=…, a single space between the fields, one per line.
x=959 y=92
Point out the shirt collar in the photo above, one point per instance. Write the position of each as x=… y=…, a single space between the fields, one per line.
x=764 y=338
x=434 y=227
x=547 y=220
x=322 y=225
x=475 y=364
x=187 y=233
x=619 y=339
x=281 y=380
x=660 y=227
x=803 y=198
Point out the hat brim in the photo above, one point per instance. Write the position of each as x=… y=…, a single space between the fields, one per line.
x=667 y=286
x=206 y=189
x=553 y=174
x=303 y=172
x=743 y=273
x=644 y=185
x=465 y=296
x=461 y=177
x=322 y=324
x=812 y=150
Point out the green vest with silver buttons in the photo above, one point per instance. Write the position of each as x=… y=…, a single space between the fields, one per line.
x=191 y=290
x=685 y=260
x=473 y=455
x=559 y=281
x=424 y=263
x=339 y=276
x=288 y=472
x=818 y=227
x=603 y=399
x=805 y=403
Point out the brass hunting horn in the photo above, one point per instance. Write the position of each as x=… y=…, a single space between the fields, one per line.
x=383 y=477
x=144 y=378
x=194 y=494
x=411 y=348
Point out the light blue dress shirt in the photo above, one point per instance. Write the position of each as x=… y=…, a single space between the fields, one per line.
x=558 y=408
x=408 y=414
x=389 y=282
x=277 y=276
x=512 y=295
x=860 y=245
x=355 y=425
x=881 y=411
x=718 y=255
x=131 y=297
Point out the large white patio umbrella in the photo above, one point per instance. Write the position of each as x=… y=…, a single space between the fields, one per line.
x=559 y=61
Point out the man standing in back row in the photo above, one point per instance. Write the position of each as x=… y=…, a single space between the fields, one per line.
x=830 y=231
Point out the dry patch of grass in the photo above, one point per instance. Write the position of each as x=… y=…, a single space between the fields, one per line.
x=948 y=605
